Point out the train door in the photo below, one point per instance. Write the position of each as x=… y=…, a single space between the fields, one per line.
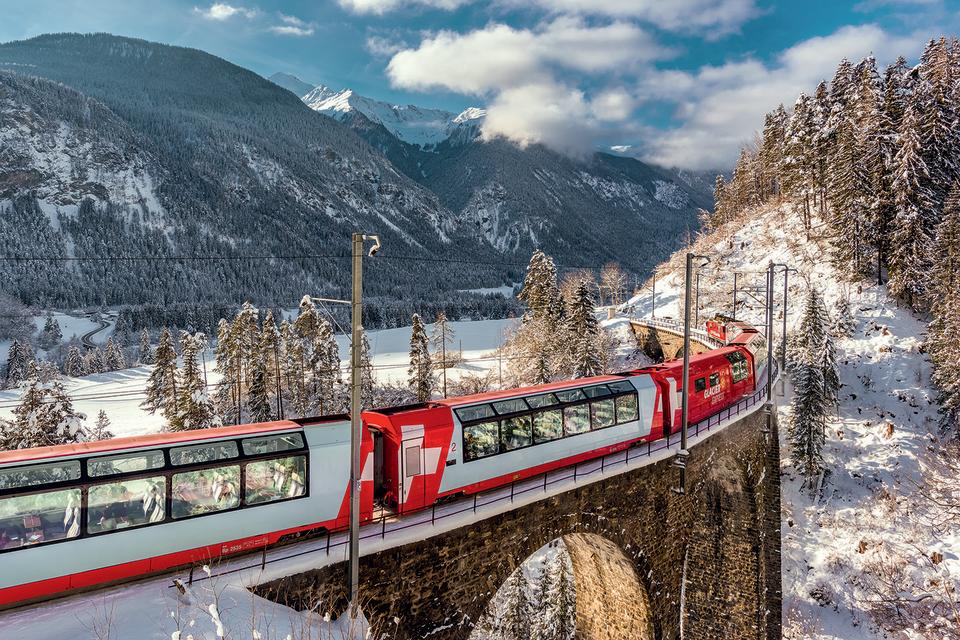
x=413 y=492
x=379 y=490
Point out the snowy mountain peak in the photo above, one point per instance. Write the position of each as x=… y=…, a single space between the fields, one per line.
x=414 y=125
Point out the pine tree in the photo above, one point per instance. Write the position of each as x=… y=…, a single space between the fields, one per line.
x=587 y=356
x=227 y=397
x=268 y=362
x=944 y=329
x=194 y=409
x=260 y=406
x=561 y=610
x=912 y=234
x=844 y=323
x=45 y=415
x=420 y=374
x=367 y=381
x=798 y=159
x=720 y=204
x=19 y=357
x=540 y=289
x=514 y=624
x=73 y=364
x=51 y=335
x=326 y=373
x=145 y=355
x=771 y=151
x=808 y=423
x=93 y=361
x=441 y=340
x=294 y=362
x=937 y=121
x=113 y=358
x=101 y=429
x=161 y=391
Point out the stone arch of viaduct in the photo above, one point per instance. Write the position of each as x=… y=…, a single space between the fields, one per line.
x=641 y=550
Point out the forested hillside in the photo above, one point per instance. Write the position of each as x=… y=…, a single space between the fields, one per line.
x=875 y=157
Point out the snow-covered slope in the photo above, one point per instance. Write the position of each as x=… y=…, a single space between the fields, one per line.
x=425 y=128
x=874 y=554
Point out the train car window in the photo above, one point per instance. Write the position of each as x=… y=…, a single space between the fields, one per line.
x=516 y=433
x=739 y=367
x=622 y=386
x=570 y=395
x=38 y=518
x=542 y=401
x=270 y=480
x=700 y=384
x=37 y=474
x=576 y=419
x=123 y=504
x=547 y=425
x=126 y=463
x=204 y=453
x=514 y=405
x=596 y=392
x=272 y=444
x=602 y=413
x=627 y=407
x=480 y=440
x=715 y=379
x=205 y=491
x=477 y=412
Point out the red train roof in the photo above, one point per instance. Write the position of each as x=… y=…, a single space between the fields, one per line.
x=151 y=440
x=696 y=360
x=524 y=391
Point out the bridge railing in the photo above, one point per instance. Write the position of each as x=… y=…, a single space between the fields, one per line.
x=676 y=327
x=383 y=526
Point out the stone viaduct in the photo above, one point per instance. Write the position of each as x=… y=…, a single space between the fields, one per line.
x=647 y=560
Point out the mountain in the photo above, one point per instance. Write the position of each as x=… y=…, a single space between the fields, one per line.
x=421 y=127
x=122 y=147
x=291 y=83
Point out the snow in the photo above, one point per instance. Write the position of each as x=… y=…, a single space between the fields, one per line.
x=871 y=521
x=411 y=124
x=506 y=291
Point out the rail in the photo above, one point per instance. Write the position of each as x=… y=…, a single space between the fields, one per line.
x=380 y=528
x=676 y=328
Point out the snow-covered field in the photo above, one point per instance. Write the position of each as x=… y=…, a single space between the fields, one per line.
x=872 y=549
x=119 y=393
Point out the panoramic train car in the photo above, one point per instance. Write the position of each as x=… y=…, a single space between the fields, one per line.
x=74 y=516
x=474 y=443
x=718 y=379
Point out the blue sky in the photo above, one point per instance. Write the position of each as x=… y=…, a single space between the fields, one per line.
x=681 y=82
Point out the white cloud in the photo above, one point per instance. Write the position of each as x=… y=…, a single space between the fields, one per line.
x=293 y=26
x=720 y=107
x=613 y=105
x=707 y=17
x=379 y=7
x=499 y=56
x=221 y=11
x=383 y=47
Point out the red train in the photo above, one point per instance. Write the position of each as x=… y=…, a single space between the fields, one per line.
x=76 y=516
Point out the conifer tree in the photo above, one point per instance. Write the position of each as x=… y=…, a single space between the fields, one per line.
x=540 y=288
x=268 y=361
x=909 y=260
x=844 y=323
x=797 y=162
x=94 y=362
x=441 y=341
x=19 y=357
x=101 y=428
x=720 y=204
x=771 y=151
x=944 y=330
x=420 y=374
x=367 y=381
x=808 y=423
x=73 y=364
x=113 y=357
x=194 y=409
x=515 y=621
x=326 y=373
x=45 y=415
x=51 y=335
x=937 y=121
x=161 y=390
x=227 y=397
x=562 y=609
x=145 y=355
x=294 y=364
x=260 y=405
x=587 y=356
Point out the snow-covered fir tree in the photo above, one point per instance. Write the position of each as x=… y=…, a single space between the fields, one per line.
x=844 y=324
x=296 y=394
x=268 y=366
x=19 y=358
x=420 y=373
x=51 y=335
x=808 y=422
x=44 y=417
x=540 y=290
x=944 y=332
x=94 y=362
x=515 y=620
x=325 y=371
x=367 y=380
x=113 y=359
x=73 y=363
x=161 y=389
x=261 y=408
x=194 y=408
x=558 y=618
x=145 y=353
x=587 y=354
x=101 y=428
x=798 y=154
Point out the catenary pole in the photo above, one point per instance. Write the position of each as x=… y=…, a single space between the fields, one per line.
x=681 y=459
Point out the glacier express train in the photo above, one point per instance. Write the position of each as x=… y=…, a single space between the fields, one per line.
x=77 y=516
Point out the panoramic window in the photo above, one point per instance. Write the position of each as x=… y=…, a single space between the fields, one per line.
x=204 y=453
x=516 y=433
x=20 y=477
x=124 y=504
x=478 y=412
x=545 y=400
x=576 y=419
x=570 y=395
x=272 y=444
x=39 y=518
x=482 y=439
x=596 y=392
x=547 y=425
x=206 y=491
x=627 y=407
x=621 y=386
x=602 y=413
x=269 y=480
x=515 y=405
x=126 y=463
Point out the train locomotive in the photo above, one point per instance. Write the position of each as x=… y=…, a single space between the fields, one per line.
x=77 y=516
